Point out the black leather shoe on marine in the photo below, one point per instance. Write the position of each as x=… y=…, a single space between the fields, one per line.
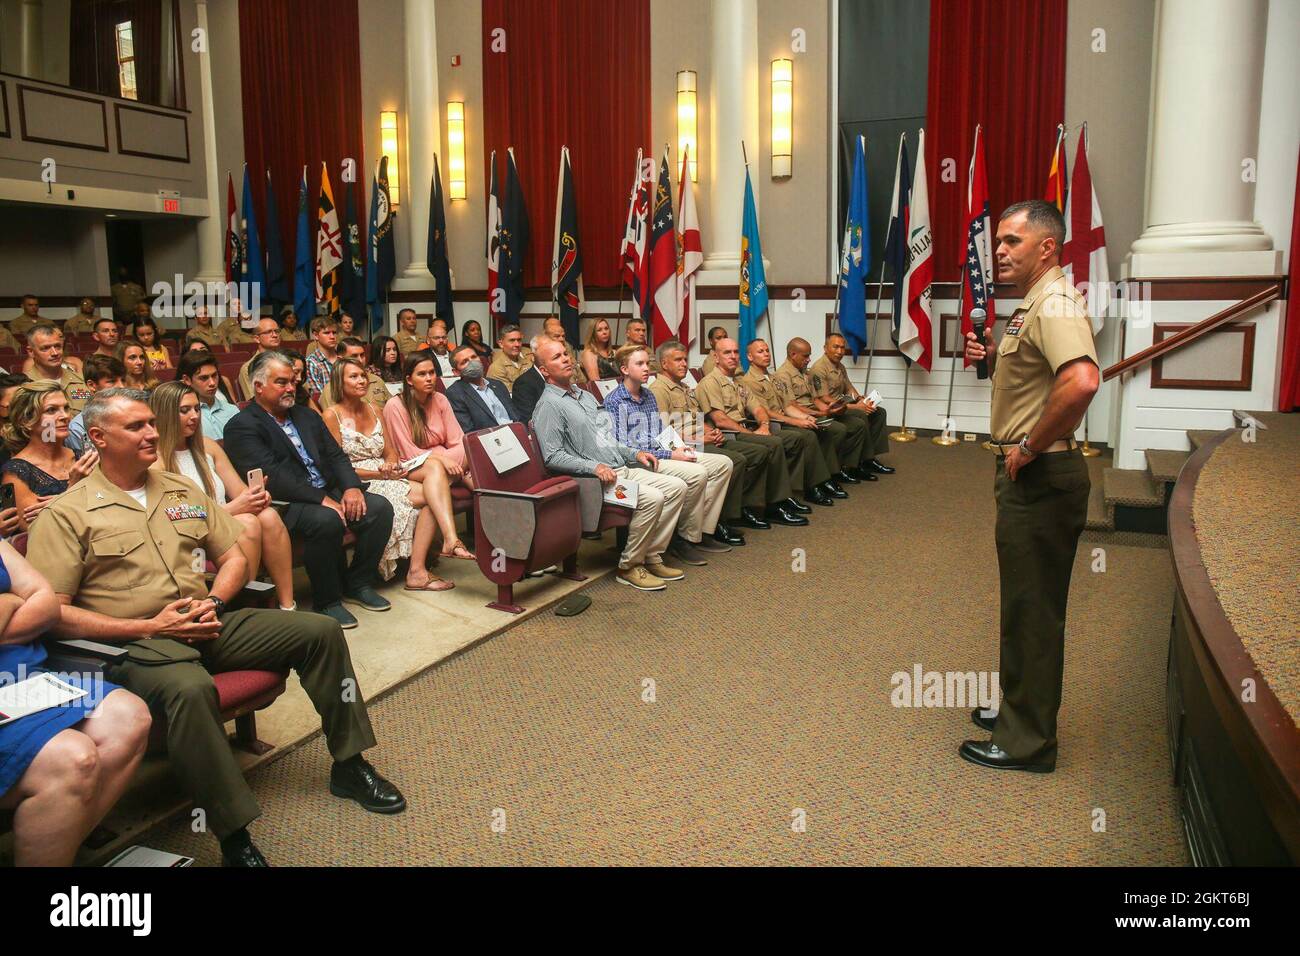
x=880 y=469
x=864 y=474
x=832 y=490
x=726 y=534
x=983 y=719
x=987 y=754
x=749 y=518
x=358 y=780
x=244 y=855
x=846 y=477
x=794 y=506
x=778 y=515
x=816 y=496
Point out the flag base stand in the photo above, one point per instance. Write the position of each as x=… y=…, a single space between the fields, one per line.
x=1089 y=452
x=904 y=434
x=944 y=440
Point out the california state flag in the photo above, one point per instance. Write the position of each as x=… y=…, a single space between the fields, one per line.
x=690 y=256
x=915 y=324
x=1083 y=257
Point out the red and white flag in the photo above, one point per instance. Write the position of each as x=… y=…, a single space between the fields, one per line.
x=664 y=307
x=234 y=261
x=636 y=262
x=691 y=256
x=978 y=293
x=914 y=326
x=1083 y=257
x=493 y=246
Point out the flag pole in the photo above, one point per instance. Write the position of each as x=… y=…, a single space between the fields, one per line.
x=875 y=313
x=943 y=438
x=904 y=434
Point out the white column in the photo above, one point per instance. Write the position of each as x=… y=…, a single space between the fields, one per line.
x=1204 y=126
x=212 y=262
x=422 y=117
x=29 y=36
x=1279 y=123
x=733 y=117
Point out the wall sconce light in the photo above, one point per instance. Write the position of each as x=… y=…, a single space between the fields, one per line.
x=456 y=149
x=782 y=118
x=686 y=119
x=388 y=147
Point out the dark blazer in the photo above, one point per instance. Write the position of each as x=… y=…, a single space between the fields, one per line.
x=253 y=439
x=470 y=409
x=527 y=392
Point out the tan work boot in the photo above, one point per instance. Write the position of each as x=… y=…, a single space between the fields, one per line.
x=639 y=578
x=665 y=573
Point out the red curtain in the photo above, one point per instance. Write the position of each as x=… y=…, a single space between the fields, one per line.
x=301 y=67
x=574 y=73
x=1001 y=65
x=1289 y=394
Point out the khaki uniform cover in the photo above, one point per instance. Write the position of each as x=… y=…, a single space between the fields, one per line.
x=506 y=370
x=829 y=380
x=841 y=441
x=96 y=544
x=1040 y=515
x=718 y=391
x=801 y=444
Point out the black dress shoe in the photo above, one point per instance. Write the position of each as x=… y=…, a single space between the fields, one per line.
x=846 y=477
x=796 y=507
x=749 y=518
x=358 y=780
x=245 y=854
x=986 y=754
x=725 y=534
x=832 y=490
x=880 y=469
x=981 y=720
x=864 y=474
x=819 y=497
x=778 y=515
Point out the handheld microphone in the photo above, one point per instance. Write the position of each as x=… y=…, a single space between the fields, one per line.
x=977 y=317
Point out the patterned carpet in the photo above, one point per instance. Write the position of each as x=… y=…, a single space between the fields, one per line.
x=771 y=738
x=1247 y=518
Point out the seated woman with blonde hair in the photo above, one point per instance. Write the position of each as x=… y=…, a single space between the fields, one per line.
x=42 y=466
x=421 y=508
x=183 y=450
x=421 y=420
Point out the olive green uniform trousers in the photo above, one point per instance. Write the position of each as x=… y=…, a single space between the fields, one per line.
x=875 y=441
x=1040 y=517
x=777 y=475
x=804 y=457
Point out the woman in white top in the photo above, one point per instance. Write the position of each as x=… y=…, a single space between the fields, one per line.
x=265 y=541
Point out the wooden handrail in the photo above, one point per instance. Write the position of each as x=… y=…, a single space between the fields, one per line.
x=1193 y=332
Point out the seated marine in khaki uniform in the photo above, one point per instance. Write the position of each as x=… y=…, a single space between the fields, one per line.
x=795 y=384
x=831 y=382
x=511 y=359
x=45 y=352
x=123 y=550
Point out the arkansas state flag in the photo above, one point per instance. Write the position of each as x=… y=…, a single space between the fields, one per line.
x=1057 y=187
x=914 y=326
x=495 y=305
x=636 y=262
x=692 y=256
x=234 y=240
x=663 y=259
x=1083 y=257
x=978 y=293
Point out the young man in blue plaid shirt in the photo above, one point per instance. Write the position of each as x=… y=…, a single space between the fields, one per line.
x=634 y=417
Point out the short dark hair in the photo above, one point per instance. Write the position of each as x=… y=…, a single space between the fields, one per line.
x=191 y=362
x=1040 y=215
x=457 y=350
x=98 y=367
x=102 y=319
x=351 y=342
x=402 y=312
x=507 y=329
x=635 y=321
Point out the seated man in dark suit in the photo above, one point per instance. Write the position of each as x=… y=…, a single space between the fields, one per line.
x=478 y=402
x=530 y=385
x=304 y=466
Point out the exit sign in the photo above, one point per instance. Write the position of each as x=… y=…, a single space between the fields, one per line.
x=169 y=200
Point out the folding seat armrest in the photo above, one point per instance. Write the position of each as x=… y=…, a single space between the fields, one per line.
x=74 y=655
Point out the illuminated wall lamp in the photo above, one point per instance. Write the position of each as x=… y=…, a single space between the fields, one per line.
x=782 y=118
x=686 y=121
x=456 y=149
x=388 y=147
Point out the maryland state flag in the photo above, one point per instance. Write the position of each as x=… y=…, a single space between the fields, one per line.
x=566 y=252
x=329 y=247
x=1057 y=183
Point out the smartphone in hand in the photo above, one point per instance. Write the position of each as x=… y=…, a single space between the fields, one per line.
x=256 y=481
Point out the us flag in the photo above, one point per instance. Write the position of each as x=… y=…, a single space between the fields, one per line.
x=329 y=246
x=979 y=246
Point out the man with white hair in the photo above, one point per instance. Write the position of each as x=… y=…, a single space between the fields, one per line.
x=530 y=385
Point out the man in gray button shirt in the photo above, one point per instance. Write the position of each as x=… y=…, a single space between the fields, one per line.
x=576 y=439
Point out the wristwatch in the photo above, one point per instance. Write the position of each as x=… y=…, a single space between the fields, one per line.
x=220 y=604
x=1025 y=449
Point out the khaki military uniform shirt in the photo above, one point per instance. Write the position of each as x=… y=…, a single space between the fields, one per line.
x=794 y=386
x=1049 y=328
x=208 y=336
x=22 y=323
x=7 y=340
x=80 y=323
x=763 y=388
x=95 y=543
x=408 y=342
x=828 y=379
x=126 y=296
x=377 y=394
x=505 y=370
x=73 y=385
x=708 y=365
x=678 y=404
x=292 y=335
x=231 y=333
x=720 y=392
